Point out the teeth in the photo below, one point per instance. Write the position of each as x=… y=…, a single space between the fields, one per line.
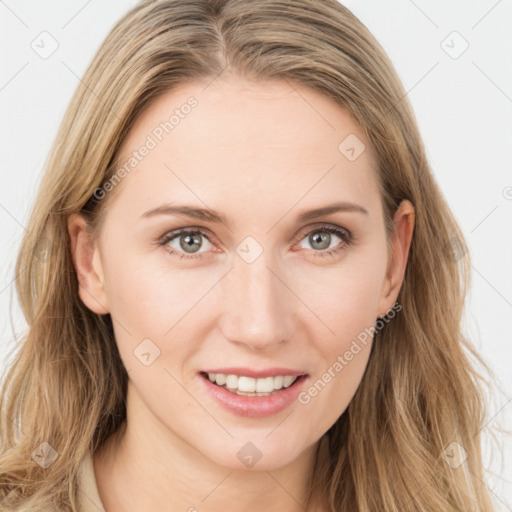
x=265 y=385
x=250 y=386
x=278 y=382
x=246 y=384
x=288 y=381
x=231 y=381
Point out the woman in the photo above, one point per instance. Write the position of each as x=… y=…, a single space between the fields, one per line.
x=190 y=345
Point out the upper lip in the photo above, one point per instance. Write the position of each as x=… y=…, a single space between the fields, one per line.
x=257 y=374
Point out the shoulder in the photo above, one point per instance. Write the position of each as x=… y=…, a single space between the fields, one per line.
x=89 y=496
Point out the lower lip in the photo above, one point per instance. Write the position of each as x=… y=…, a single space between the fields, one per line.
x=255 y=406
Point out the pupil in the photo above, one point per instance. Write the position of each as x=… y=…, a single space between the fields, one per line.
x=190 y=241
x=321 y=238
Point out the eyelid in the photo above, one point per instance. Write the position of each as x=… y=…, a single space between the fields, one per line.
x=322 y=225
x=207 y=233
x=174 y=233
x=346 y=236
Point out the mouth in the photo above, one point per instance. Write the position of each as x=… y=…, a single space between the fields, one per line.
x=244 y=385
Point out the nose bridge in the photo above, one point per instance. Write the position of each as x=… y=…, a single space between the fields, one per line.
x=255 y=303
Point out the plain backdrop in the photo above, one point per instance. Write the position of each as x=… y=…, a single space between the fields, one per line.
x=455 y=60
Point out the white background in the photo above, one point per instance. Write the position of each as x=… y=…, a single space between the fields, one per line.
x=463 y=106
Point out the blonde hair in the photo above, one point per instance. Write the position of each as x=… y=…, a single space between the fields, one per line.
x=420 y=393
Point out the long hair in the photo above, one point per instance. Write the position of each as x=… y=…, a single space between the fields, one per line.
x=64 y=393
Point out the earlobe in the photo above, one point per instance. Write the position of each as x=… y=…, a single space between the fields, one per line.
x=88 y=267
x=400 y=244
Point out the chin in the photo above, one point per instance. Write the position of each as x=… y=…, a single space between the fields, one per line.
x=258 y=453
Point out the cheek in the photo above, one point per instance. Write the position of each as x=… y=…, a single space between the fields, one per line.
x=343 y=298
x=342 y=360
x=349 y=308
x=329 y=393
x=155 y=311
x=149 y=296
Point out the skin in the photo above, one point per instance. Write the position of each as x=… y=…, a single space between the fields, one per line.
x=259 y=153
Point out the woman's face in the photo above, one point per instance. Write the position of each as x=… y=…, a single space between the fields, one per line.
x=269 y=291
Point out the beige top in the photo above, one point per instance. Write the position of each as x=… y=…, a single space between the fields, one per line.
x=89 y=496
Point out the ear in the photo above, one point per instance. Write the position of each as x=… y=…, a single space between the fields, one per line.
x=397 y=262
x=87 y=262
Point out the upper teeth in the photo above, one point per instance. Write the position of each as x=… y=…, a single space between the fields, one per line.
x=250 y=384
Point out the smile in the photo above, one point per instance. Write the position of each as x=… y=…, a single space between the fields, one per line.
x=250 y=386
x=247 y=392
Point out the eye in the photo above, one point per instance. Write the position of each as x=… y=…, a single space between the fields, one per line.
x=187 y=242
x=320 y=238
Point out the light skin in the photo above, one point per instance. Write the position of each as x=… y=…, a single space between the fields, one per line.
x=260 y=154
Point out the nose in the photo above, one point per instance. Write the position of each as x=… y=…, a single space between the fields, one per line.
x=257 y=305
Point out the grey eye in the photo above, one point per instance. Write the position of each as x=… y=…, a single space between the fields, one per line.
x=189 y=243
x=320 y=239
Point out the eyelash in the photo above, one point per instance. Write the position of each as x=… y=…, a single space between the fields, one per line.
x=345 y=235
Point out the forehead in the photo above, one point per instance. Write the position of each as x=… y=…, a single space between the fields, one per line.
x=256 y=145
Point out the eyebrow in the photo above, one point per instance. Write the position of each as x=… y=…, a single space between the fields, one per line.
x=209 y=215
